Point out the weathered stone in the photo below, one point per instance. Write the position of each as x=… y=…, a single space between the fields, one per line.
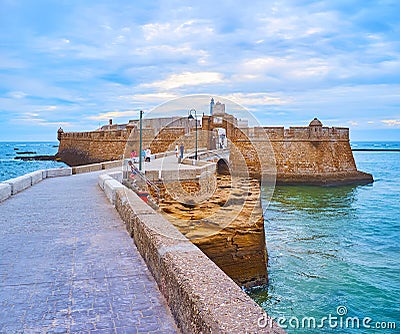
x=56 y=172
x=111 y=164
x=36 y=177
x=231 y=234
x=5 y=191
x=102 y=178
x=110 y=189
x=87 y=168
x=19 y=183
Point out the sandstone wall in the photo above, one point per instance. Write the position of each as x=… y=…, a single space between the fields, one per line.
x=296 y=155
x=305 y=155
x=80 y=148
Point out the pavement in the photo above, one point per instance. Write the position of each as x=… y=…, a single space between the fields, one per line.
x=67 y=265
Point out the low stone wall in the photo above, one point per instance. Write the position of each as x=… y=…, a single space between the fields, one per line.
x=202 y=298
x=5 y=191
x=13 y=186
x=96 y=167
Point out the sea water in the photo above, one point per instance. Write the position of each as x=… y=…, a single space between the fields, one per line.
x=11 y=167
x=334 y=252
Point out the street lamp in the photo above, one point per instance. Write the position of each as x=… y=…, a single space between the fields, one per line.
x=140 y=140
x=195 y=118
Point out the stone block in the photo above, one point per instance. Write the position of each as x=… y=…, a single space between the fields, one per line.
x=110 y=189
x=87 y=168
x=19 y=183
x=5 y=191
x=36 y=177
x=56 y=172
x=116 y=176
x=111 y=164
x=102 y=178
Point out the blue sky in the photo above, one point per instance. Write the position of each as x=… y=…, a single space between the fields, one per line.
x=75 y=64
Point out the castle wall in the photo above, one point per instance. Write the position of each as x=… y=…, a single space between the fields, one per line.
x=80 y=148
x=313 y=154
x=308 y=155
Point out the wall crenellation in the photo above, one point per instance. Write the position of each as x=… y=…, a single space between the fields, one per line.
x=298 y=133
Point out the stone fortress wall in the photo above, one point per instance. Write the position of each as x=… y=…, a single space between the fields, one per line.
x=313 y=154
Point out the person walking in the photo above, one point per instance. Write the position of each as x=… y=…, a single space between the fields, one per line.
x=182 y=149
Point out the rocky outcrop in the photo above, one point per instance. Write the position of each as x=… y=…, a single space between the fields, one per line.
x=228 y=227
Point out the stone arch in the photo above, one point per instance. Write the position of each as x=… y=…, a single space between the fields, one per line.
x=222 y=121
x=223 y=167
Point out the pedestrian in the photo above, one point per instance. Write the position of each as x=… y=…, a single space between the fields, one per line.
x=182 y=148
x=176 y=150
x=147 y=155
x=134 y=156
x=134 y=171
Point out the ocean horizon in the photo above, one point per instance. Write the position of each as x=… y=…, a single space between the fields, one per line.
x=10 y=167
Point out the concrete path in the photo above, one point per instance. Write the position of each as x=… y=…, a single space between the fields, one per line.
x=166 y=163
x=67 y=265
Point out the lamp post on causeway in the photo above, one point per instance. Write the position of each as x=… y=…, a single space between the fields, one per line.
x=195 y=118
x=140 y=140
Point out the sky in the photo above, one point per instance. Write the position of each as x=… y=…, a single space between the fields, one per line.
x=75 y=64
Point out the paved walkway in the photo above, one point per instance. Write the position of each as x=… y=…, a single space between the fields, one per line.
x=67 y=265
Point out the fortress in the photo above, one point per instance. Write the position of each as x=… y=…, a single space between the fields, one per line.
x=313 y=154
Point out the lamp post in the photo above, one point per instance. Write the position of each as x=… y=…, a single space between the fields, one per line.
x=195 y=118
x=140 y=140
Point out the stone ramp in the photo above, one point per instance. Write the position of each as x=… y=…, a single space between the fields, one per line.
x=67 y=265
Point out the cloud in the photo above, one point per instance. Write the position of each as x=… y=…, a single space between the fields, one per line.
x=114 y=114
x=287 y=61
x=176 y=30
x=186 y=79
x=260 y=99
x=391 y=122
x=150 y=97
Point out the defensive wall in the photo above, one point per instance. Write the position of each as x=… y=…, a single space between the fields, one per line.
x=312 y=154
x=81 y=148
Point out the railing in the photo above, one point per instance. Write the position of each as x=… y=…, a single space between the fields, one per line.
x=151 y=185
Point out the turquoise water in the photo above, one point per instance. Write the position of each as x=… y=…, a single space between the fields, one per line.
x=9 y=167
x=336 y=247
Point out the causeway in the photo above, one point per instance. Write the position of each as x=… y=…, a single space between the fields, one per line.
x=68 y=265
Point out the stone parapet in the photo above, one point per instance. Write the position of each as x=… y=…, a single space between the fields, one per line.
x=87 y=168
x=36 y=177
x=111 y=164
x=19 y=183
x=202 y=298
x=13 y=186
x=5 y=191
x=57 y=172
x=110 y=189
